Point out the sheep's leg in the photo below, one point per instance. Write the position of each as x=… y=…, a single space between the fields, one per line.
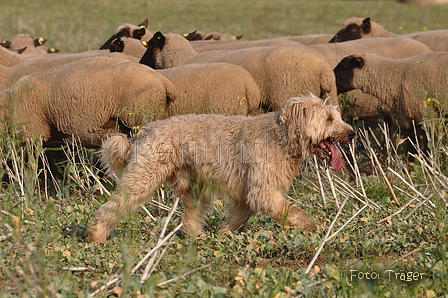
x=139 y=181
x=237 y=218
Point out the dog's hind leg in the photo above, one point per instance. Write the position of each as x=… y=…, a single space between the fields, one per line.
x=132 y=191
x=237 y=218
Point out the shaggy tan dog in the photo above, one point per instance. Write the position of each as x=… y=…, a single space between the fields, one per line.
x=251 y=160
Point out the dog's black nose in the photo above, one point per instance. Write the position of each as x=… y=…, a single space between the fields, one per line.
x=351 y=134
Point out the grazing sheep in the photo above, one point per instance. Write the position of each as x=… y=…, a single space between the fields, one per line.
x=213 y=88
x=364 y=106
x=88 y=98
x=201 y=35
x=356 y=28
x=310 y=39
x=402 y=85
x=390 y=47
x=9 y=75
x=280 y=72
x=204 y=46
x=195 y=35
x=129 y=46
x=436 y=40
x=221 y=36
x=29 y=45
x=139 y=31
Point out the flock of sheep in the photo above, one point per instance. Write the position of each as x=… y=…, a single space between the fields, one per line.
x=137 y=77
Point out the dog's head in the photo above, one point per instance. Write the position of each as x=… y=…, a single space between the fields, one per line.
x=314 y=127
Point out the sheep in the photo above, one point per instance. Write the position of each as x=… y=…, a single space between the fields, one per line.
x=390 y=47
x=9 y=75
x=280 y=72
x=88 y=98
x=310 y=39
x=139 y=31
x=218 y=88
x=29 y=44
x=201 y=35
x=204 y=46
x=402 y=85
x=436 y=40
x=364 y=106
x=221 y=36
x=129 y=46
x=9 y=58
x=357 y=28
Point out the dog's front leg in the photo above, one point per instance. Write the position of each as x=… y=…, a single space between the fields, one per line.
x=283 y=211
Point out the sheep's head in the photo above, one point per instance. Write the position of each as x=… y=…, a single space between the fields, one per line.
x=128 y=30
x=154 y=47
x=344 y=72
x=353 y=28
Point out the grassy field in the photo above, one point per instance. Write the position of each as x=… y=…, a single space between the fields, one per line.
x=367 y=244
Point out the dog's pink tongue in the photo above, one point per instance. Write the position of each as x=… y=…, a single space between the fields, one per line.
x=336 y=161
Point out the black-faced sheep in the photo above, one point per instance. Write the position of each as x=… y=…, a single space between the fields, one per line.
x=9 y=58
x=218 y=88
x=280 y=72
x=88 y=98
x=201 y=35
x=403 y=86
x=129 y=46
x=139 y=32
x=310 y=39
x=204 y=46
x=364 y=106
x=28 y=44
x=390 y=47
x=356 y=28
x=9 y=75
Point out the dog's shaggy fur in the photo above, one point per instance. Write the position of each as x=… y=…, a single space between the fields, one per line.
x=251 y=160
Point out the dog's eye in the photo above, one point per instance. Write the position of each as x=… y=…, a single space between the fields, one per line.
x=330 y=119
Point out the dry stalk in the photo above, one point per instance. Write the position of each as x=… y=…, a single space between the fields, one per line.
x=389 y=186
x=319 y=249
x=183 y=275
x=160 y=243
x=149 y=269
x=322 y=192
x=410 y=186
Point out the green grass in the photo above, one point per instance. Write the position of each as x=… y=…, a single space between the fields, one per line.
x=43 y=251
x=74 y=25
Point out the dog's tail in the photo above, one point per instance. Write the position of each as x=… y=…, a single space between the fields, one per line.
x=114 y=153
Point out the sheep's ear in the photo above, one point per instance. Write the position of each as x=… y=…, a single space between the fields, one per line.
x=366 y=26
x=117 y=45
x=138 y=33
x=356 y=61
x=20 y=51
x=157 y=41
x=108 y=42
x=189 y=35
x=144 y=24
x=6 y=44
x=238 y=37
x=39 y=41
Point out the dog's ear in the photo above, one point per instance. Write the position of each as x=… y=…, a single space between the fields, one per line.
x=293 y=110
